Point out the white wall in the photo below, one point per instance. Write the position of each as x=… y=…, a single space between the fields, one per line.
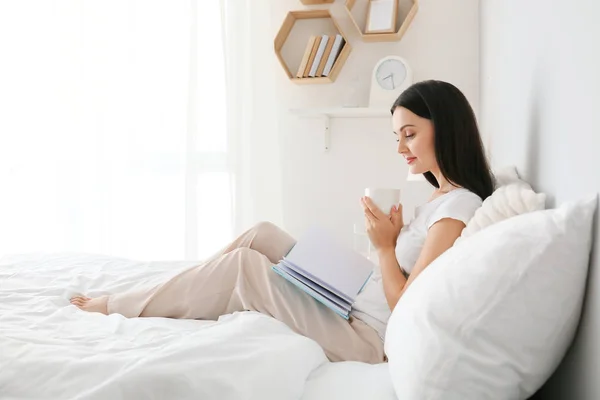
x=318 y=187
x=540 y=95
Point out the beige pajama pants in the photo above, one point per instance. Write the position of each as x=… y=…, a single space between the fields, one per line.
x=240 y=278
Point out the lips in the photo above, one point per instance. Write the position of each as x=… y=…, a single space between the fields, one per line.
x=410 y=160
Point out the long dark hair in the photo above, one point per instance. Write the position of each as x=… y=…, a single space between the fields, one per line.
x=458 y=146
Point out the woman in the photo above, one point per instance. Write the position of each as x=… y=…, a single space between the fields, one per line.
x=438 y=137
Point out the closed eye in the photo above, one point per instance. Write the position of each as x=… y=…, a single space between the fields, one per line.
x=407 y=136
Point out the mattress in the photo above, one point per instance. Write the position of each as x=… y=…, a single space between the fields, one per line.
x=49 y=349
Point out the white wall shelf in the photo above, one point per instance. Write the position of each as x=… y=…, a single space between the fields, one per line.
x=342 y=112
x=339 y=112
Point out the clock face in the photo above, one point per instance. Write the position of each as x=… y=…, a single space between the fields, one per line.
x=390 y=74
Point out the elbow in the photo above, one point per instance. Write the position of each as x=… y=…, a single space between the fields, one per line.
x=395 y=297
x=393 y=300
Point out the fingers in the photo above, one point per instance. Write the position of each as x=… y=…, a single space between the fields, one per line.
x=397 y=210
x=396 y=216
x=368 y=212
x=375 y=211
x=368 y=224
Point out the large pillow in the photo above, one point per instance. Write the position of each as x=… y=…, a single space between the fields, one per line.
x=492 y=317
x=512 y=197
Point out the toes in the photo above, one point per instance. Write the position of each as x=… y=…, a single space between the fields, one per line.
x=78 y=301
x=90 y=304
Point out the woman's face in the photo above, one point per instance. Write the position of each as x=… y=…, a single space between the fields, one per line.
x=415 y=140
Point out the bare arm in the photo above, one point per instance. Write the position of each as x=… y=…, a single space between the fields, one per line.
x=383 y=231
x=440 y=237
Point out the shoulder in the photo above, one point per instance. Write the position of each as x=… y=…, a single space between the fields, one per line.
x=459 y=204
x=463 y=198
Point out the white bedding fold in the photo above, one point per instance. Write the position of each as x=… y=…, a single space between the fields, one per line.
x=51 y=350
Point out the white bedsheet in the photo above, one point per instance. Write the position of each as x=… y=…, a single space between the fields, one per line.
x=51 y=350
x=349 y=380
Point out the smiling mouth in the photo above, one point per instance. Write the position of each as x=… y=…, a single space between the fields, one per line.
x=410 y=160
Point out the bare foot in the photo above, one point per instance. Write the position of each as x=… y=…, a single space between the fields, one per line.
x=91 y=305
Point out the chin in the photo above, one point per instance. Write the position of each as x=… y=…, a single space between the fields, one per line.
x=415 y=170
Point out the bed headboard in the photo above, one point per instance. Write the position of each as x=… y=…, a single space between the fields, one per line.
x=540 y=100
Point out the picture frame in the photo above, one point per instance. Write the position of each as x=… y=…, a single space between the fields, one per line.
x=381 y=16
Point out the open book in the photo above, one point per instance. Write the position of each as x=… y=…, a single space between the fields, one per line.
x=326 y=270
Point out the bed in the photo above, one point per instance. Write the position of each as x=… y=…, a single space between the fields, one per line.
x=49 y=349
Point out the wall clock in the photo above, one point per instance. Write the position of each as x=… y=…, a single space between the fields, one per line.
x=391 y=76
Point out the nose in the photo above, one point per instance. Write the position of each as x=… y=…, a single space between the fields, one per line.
x=401 y=145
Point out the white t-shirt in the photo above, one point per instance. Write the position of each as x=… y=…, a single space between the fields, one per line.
x=460 y=204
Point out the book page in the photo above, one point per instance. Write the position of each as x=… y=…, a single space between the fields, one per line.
x=338 y=266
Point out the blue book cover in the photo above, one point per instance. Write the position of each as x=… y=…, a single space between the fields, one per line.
x=346 y=305
x=341 y=312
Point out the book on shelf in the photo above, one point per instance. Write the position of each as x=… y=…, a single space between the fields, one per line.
x=306 y=56
x=338 y=44
x=313 y=55
x=325 y=56
x=326 y=270
x=319 y=56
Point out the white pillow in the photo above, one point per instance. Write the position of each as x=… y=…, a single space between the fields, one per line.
x=512 y=199
x=492 y=317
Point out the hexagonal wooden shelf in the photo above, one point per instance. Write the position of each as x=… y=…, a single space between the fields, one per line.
x=293 y=36
x=315 y=2
x=357 y=10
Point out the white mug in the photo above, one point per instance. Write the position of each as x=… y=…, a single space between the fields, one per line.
x=384 y=198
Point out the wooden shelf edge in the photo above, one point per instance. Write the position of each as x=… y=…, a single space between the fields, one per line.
x=315 y=2
x=311 y=14
x=308 y=81
x=380 y=37
x=383 y=37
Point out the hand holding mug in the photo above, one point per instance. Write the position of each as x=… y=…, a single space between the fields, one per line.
x=383 y=229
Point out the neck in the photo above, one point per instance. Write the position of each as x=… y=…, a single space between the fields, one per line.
x=444 y=184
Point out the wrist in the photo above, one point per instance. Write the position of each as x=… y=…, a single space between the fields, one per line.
x=383 y=251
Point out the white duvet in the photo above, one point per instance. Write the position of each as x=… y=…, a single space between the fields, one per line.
x=49 y=349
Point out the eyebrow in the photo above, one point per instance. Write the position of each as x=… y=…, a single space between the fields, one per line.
x=405 y=126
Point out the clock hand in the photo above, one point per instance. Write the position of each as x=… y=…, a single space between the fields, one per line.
x=389 y=76
x=393 y=84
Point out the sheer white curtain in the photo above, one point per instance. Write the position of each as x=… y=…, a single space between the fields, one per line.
x=113 y=134
x=253 y=110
